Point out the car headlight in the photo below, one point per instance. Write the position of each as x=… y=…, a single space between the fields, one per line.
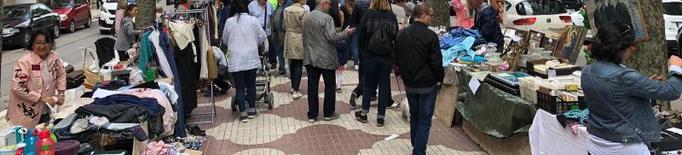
x=63 y=17
x=9 y=32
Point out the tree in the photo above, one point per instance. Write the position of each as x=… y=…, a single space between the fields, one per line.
x=441 y=12
x=651 y=57
x=147 y=13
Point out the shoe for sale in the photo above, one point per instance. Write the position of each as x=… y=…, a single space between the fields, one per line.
x=297 y=95
x=252 y=115
x=360 y=116
x=243 y=119
x=380 y=122
x=353 y=97
x=331 y=117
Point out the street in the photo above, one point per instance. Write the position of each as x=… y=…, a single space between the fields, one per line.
x=68 y=46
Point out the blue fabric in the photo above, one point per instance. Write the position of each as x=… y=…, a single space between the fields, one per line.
x=378 y=73
x=458 y=34
x=454 y=51
x=578 y=114
x=145 y=52
x=150 y=104
x=421 y=112
x=245 y=84
x=166 y=46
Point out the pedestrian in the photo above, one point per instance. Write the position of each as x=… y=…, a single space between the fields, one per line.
x=278 y=36
x=619 y=98
x=293 y=46
x=242 y=34
x=486 y=22
x=39 y=79
x=264 y=12
x=319 y=42
x=400 y=14
x=126 y=37
x=361 y=6
x=378 y=35
x=342 y=52
x=419 y=59
x=120 y=12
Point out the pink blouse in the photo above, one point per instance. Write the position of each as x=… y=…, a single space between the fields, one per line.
x=462 y=11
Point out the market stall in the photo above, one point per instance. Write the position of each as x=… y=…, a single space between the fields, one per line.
x=137 y=106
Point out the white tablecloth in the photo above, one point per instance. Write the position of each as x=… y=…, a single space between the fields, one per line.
x=548 y=137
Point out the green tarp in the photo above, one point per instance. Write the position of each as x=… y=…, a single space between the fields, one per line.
x=492 y=110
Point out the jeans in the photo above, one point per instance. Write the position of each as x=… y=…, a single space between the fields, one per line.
x=377 y=73
x=355 y=48
x=421 y=111
x=245 y=83
x=296 y=70
x=329 y=91
x=276 y=51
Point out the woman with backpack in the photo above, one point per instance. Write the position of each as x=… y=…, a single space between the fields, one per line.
x=377 y=34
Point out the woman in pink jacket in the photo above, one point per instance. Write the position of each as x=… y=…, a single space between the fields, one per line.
x=38 y=79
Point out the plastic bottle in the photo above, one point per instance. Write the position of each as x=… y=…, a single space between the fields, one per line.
x=31 y=141
x=46 y=144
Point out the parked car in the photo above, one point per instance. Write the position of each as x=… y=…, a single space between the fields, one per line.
x=20 y=20
x=541 y=16
x=672 y=15
x=107 y=16
x=73 y=13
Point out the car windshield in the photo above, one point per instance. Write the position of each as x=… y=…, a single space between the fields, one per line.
x=16 y=12
x=62 y=4
x=672 y=8
x=540 y=7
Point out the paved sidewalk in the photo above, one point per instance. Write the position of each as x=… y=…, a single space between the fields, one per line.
x=285 y=130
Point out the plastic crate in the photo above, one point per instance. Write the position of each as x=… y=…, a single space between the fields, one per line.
x=529 y=87
x=554 y=104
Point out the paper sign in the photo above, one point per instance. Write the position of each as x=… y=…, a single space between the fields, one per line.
x=473 y=85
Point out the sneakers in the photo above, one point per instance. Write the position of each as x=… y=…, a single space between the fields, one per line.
x=360 y=116
x=356 y=67
x=252 y=115
x=282 y=72
x=331 y=117
x=353 y=97
x=380 y=122
x=338 y=90
x=312 y=120
x=243 y=119
x=297 y=95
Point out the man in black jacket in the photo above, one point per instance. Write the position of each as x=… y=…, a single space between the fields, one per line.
x=419 y=59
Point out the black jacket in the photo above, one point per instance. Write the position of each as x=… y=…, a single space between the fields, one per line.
x=373 y=21
x=419 y=57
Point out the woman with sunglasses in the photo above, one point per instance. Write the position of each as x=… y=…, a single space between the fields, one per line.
x=38 y=80
x=621 y=120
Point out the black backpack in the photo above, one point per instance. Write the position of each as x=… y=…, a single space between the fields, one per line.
x=381 y=41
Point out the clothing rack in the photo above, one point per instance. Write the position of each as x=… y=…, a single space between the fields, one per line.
x=205 y=16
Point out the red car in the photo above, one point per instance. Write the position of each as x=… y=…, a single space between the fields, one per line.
x=72 y=13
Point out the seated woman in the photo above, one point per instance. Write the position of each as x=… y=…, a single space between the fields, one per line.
x=38 y=79
x=621 y=119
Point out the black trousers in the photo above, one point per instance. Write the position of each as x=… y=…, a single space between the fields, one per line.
x=329 y=76
x=296 y=70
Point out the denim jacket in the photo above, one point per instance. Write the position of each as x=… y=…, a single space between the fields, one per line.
x=630 y=93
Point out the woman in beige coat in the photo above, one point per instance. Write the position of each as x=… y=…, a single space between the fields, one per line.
x=293 y=43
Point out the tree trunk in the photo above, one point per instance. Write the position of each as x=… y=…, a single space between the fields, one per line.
x=651 y=56
x=147 y=13
x=441 y=12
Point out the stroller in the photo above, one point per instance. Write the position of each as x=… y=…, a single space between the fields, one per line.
x=263 y=79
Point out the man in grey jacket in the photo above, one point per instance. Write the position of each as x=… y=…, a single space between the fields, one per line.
x=319 y=42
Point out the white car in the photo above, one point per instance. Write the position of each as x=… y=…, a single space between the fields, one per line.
x=107 y=16
x=672 y=15
x=548 y=17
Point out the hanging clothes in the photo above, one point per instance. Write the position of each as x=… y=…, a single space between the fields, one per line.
x=177 y=84
x=163 y=61
x=145 y=52
x=182 y=33
x=203 y=48
x=187 y=73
